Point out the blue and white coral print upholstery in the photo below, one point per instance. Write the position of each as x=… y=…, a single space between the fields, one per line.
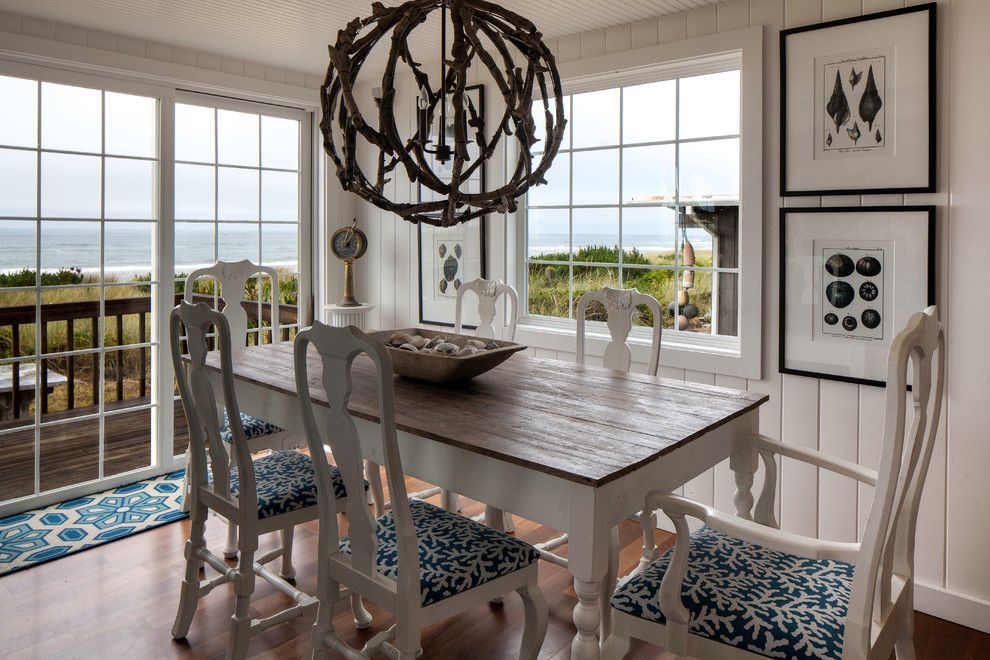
x=455 y=553
x=741 y=594
x=286 y=482
x=254 y=427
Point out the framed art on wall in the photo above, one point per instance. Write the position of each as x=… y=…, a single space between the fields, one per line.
x=850 y=277
x=857 y=105
x=449 y=256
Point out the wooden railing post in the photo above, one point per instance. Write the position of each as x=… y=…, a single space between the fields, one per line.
x=144 y=361
x=96 y=361
x=70 y=342
x=15 y=370
x=44 y=368
x=120 y=358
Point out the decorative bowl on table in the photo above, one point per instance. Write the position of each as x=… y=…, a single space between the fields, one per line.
x=443 y=357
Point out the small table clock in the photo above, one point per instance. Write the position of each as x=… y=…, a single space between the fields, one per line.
x=348 y=244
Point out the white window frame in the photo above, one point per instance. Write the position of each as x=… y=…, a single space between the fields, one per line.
x=736 y=356
x=42 y=59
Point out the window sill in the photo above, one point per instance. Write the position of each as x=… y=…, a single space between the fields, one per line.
x=720 y=355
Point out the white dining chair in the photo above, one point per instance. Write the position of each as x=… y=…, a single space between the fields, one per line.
x=620 y=307
x=419 y=561
x=488 y=293
x=741 y=588
x=263 y=495
x=230 y=278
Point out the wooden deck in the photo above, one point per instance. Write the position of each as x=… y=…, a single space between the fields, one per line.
x=118 y=601
x=70 y=452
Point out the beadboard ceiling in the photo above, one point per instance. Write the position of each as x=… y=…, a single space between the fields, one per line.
x=295 y=33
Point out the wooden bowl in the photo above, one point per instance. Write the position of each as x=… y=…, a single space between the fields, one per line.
x=435 y=368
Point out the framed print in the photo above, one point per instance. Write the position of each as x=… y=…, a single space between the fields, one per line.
x=850 y=278
x=449 y=256
x=857 y=105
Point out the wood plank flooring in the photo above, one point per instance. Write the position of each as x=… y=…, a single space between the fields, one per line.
x=118 y=601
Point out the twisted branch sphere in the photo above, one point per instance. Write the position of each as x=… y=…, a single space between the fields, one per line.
x=481 y=30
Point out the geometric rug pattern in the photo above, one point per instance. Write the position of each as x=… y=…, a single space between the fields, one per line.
x=57 y=530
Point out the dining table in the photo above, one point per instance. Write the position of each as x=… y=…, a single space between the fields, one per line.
x=573 y=447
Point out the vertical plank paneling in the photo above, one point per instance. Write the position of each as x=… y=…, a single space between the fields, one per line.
x=839 y=436
x=701 y=22
x=834 y=9
x=673 y=28
x=799 y=481
x=732 y=15
x=871 y=406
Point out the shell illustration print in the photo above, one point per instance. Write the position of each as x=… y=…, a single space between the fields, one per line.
x=854 y=105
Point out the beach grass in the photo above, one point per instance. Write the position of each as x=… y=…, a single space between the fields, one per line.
x=549 y=287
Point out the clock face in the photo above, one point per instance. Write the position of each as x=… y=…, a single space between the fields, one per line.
x=348 y=244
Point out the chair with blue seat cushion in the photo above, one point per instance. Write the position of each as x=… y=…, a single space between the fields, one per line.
x=285 y=482
x=742 y=588
x=264 y=495
x=749 y=596
x=227 y=284
x=254 y=427
x=420 y=562
x=455 y=553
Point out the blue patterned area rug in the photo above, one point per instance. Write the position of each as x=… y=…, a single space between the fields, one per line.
x=34 y=537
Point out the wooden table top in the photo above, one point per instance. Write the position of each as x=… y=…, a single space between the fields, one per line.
x=585 y=424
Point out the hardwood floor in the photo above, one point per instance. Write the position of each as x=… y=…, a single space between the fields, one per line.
x=118 y=601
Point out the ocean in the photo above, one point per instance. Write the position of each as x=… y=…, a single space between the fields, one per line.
x=555 y=243
x=129 y=247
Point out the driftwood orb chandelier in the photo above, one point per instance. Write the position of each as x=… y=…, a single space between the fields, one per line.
x=521 y=67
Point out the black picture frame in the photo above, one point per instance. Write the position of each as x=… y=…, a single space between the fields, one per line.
x=482 y=229
x=930 y=210
x=787 y=190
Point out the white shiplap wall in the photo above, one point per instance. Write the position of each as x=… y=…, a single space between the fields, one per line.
x=840 y=418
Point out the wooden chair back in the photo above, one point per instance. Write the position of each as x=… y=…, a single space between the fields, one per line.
x=886 y=559
x=232 y=277
x=488 y=292
x=208 y=454
x=337 y=348
x=620 y=305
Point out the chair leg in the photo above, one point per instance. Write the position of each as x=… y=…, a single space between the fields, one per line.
x=535 y=630
x=240 y=622
x=230 y=547
x=328 y=593
x=904 y=646
x=449 y=500
x=615 y=648
x=362 y=617
x=288 y=571
x=407 y=642
x=189 y=593
x=186 y=486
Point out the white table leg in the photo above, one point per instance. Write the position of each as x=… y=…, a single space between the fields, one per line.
x=608 y=587
x=589 y=561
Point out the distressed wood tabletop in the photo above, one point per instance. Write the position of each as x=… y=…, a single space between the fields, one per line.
x=584 y=424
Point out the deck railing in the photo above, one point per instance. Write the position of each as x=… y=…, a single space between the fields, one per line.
x=87 y=313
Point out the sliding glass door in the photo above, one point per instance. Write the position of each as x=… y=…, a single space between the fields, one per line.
x=111 y=193
x=79 y=276
x=242 y=191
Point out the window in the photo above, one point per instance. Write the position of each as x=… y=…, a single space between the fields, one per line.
x=79 y=180
x=648 y=191
x=239 y=186
x=643 y=194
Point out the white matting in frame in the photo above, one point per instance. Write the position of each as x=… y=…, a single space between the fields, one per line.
x=850 y=280
x=857 y=105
